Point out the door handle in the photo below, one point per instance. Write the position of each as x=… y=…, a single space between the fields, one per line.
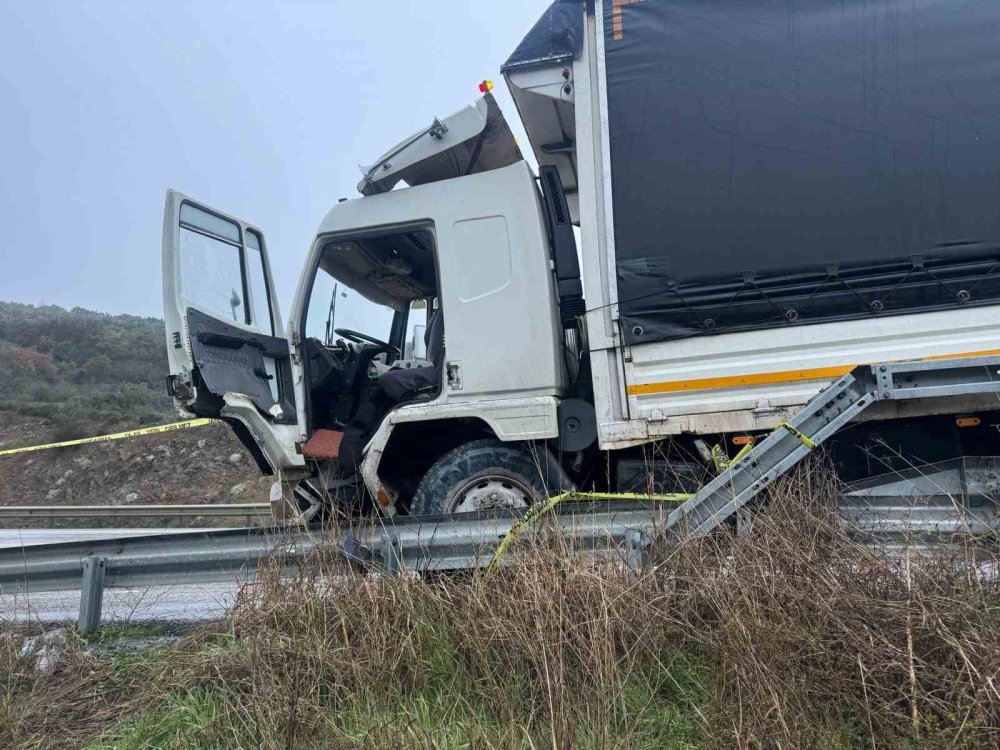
x=226 y=341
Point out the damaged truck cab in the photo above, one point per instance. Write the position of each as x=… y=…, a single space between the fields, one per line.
x=457 y=267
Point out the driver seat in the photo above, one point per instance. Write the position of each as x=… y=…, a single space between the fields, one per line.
x=405 y=383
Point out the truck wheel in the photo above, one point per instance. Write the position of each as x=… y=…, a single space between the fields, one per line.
x=480 y=475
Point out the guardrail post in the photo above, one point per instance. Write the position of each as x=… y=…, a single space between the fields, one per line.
x=91 y=594
x=393 y=555
x=744 y=521
x=633 y=552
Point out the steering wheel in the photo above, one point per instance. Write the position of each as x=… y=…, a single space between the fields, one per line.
x=359 y=338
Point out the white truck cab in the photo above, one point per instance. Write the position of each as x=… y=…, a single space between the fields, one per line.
x=463 y=254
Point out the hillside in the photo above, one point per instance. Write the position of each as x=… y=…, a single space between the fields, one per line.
x=76 y=373
x=78 y=367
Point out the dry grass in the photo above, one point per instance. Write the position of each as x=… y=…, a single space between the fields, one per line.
x=793 y=636
x=815 y=631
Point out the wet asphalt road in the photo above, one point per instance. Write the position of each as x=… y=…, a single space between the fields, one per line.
x=178 y=603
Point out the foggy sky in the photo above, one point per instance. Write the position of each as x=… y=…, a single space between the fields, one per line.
x=261 y=110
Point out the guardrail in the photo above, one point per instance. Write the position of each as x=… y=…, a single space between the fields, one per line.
x=394 y=545
x=440 y=543
x=152 y=560
x=243 y=510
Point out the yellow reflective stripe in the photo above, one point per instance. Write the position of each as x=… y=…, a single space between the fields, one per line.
x=734 y=381
x=767 y=378
x=115 y=436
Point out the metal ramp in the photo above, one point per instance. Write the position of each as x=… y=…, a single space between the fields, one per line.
x=824 y=415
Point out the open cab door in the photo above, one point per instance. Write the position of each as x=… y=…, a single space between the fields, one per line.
x=227 y=353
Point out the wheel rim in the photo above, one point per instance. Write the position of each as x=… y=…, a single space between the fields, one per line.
x=490 y=492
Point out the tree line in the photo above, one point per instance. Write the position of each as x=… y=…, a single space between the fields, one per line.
x=81 y=368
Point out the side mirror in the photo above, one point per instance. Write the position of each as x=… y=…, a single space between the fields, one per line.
x=415 y=347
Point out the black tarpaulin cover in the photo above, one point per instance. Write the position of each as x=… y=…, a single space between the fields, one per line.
x=784 y=162
x=557 y=35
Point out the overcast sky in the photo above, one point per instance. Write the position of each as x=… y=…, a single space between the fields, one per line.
x=260 y=110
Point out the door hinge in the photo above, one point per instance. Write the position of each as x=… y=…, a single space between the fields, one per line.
x=180 y=387
x=763 y=406
x=436 y=130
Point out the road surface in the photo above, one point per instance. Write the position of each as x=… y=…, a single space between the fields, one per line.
x=181 y=602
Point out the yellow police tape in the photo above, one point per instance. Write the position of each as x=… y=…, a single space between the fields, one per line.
x=116 y=436
x=537 y=511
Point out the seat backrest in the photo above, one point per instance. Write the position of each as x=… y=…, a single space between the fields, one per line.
x=434 y=337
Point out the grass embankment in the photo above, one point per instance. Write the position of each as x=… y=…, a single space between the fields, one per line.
x=792 y=636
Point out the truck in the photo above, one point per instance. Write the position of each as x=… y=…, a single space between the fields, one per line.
x=736 y=206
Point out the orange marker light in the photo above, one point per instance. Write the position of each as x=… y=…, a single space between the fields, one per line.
x=485 y=86
x=968 y=421
x=742 y=440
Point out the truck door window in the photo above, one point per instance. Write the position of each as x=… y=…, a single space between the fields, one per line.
x=220 y=273
x=211 y=271
x=259 y=299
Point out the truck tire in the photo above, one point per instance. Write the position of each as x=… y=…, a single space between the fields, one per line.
x=480 y=475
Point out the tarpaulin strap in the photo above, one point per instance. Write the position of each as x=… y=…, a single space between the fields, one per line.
x=537 y=511
x=720 y=461
x=805 y=439
x=115 y=436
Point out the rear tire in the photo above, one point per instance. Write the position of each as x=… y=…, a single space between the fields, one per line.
x=481 y=475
